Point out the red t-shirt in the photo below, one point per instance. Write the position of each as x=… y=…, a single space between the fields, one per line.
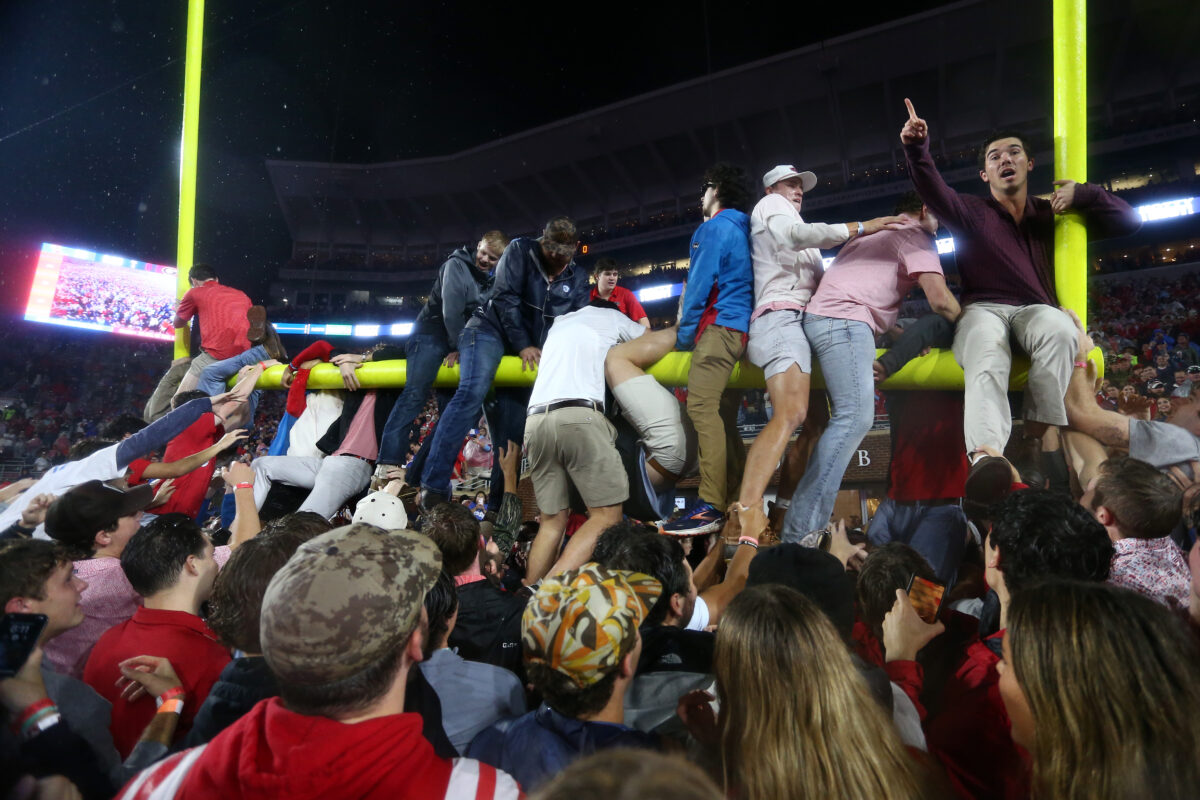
x=191 y=488
x=223 y=321
x=181 y=638
x=929 y=459
x=626 y=301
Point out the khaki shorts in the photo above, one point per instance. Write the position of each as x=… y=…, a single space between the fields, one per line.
x=574 y=446
x=666 y=432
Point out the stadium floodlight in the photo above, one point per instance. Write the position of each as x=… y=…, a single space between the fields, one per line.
x=1168 y=209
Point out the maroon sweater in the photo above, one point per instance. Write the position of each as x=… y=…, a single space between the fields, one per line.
x=999 y=260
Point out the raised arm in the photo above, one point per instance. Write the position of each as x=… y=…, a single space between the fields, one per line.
x=941 y=199
x=182 y=466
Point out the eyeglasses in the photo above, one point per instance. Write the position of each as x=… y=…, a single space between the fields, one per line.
x=704 y=187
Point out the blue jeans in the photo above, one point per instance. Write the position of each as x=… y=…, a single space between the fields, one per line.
x=506 y=413
x=939 y=533
x=479 y=352
x=213 y=377
x=846 y=350
x=424 y=354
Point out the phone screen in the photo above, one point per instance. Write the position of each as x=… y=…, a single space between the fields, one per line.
x=926 y=597
x=18 y=636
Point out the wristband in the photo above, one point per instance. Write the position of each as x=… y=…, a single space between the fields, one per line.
x=1081 y=365
x=243 y=486
x=32 y=710
x=750 y=540
x=172 y=706
x=860 y=229
x=41 y=722
x=170 y=694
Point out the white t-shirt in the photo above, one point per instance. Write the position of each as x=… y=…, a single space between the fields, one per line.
x=320 y=411
x=100 y=466
x=700 y=616
x=572 y=365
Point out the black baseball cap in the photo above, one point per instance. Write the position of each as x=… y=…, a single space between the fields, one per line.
x=814 y=573
x=94 y=506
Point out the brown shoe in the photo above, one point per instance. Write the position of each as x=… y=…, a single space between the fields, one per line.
x=258 y=324
x=989 y=481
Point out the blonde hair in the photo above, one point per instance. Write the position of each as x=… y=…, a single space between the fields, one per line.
x=1110 y=677
x=797 y=720
x=496 y=240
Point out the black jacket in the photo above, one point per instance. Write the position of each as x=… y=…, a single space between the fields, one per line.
x=459 y=289
x=489 y=626
x=523 y=304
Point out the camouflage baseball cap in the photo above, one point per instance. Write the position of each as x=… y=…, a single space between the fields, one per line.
x=582 y=622
x=344 y=600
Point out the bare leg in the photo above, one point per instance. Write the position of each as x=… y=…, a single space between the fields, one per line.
x=631 y=359
x=544 y=550
x=789 y=394
x=579 y=550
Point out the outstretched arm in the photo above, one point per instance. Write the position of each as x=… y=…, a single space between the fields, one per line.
x=1083 y=414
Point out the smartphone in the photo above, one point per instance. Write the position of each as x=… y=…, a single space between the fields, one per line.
x=926 y=597
x=19 y=634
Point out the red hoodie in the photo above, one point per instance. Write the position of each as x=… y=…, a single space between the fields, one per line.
x=272 y=752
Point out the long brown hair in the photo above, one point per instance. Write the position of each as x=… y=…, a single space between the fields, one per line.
x=797 y=720
x=1110 y=677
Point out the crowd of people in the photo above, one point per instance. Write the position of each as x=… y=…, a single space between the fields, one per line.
x=346 y=625
x=126 y=300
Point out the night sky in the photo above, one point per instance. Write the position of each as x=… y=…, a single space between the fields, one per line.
x=90 y=101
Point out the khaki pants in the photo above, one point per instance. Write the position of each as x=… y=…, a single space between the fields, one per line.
x=713 y=409
x=982 y=349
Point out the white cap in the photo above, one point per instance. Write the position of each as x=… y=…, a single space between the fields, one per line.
x=383 y=510
x=784 y=171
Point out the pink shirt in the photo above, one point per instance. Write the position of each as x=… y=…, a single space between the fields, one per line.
x=107 y=601
x=872 y=274
x=360 y=438
x=1153 y=567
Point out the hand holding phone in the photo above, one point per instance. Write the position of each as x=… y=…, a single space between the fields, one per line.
x=19 y=634
x=21 y=683
x=925 y=596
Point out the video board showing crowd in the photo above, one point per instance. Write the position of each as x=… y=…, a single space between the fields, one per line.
x=82 y=289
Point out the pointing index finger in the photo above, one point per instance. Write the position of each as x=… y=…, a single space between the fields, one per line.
x=912 y=112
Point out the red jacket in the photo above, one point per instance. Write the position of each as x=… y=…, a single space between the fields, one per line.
x=971 y=737
x=272 y=752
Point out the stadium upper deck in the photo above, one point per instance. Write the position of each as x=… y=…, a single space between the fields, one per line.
x=835 y=108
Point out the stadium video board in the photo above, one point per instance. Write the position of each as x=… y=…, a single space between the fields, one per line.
x=82 y=289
